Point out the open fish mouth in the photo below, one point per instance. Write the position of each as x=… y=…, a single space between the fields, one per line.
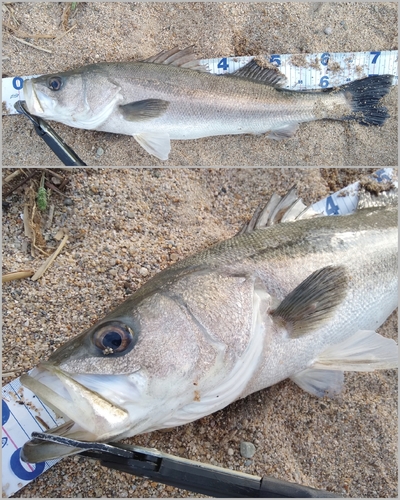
x=89 y=415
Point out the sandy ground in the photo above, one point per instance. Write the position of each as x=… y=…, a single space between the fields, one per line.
x=121 y=221
x=128 y=31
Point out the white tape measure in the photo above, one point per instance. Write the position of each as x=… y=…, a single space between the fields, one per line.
x=303 y=71
x=24 y=413
x=319 y=71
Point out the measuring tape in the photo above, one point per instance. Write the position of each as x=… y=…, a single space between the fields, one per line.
x=24 y=413
x=303 y=71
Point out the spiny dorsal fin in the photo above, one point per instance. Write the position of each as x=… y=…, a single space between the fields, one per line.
x=185 y=58
x=313 y=302
x=279 y=209
x=268 y=76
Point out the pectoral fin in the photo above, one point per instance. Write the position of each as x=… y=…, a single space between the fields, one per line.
x=313 y=302
x=143 y=110
x=155 y=143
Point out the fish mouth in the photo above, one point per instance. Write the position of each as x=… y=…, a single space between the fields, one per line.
x=89 y=415
x=31 y=99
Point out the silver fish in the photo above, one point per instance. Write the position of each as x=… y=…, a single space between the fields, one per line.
x=291 y=296
x=171 y=96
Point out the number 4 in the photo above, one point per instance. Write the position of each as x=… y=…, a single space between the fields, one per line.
x=331 y=208
x=223 y=64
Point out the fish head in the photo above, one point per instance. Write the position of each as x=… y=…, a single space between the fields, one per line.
x=115 y=379
x=82 y=98
x=157 y=361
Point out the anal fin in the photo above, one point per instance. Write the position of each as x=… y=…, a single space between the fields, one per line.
x=364 y=351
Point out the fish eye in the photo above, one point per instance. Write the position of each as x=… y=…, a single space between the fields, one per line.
x=54 y=83
x=113 y=338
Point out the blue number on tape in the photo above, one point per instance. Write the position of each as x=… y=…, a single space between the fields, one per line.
x=325 y=58
x=5 y=412
x=376 y=55
x=20 y=471
x=299 y=81
x=223 y=64
x=4 y=441
x=18 y=83
x=331 y=208
x=324 y=82
x=275 y=58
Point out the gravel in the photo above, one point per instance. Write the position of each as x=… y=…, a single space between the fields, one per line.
x=348 y=445
x=247 y=450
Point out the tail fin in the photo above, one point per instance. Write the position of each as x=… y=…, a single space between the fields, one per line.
x=364 y=96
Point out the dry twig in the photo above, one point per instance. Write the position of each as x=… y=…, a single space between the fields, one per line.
x=16 y=275
x=31 y=45
x=26 y=35
x=43 y=268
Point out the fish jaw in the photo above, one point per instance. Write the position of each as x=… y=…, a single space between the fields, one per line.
x=89 y=415
x=94 y=413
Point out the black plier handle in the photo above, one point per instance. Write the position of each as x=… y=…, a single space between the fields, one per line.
x=187 y=474
x=51 y=138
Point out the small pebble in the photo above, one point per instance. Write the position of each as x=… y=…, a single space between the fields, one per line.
x=113 y=272
x=247 y=449
x=68 y=202
x=230 y=452
x=174 y=257
x=56 y=181
x=143 y=271
x=328 y=30
x=130 y=215
x=247 y=463
x=100 y=152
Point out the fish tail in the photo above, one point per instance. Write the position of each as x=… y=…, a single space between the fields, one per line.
x=364 y=95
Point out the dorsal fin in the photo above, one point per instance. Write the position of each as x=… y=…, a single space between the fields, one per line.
x=279 y=209
x=256 y=73
x=185 y=58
